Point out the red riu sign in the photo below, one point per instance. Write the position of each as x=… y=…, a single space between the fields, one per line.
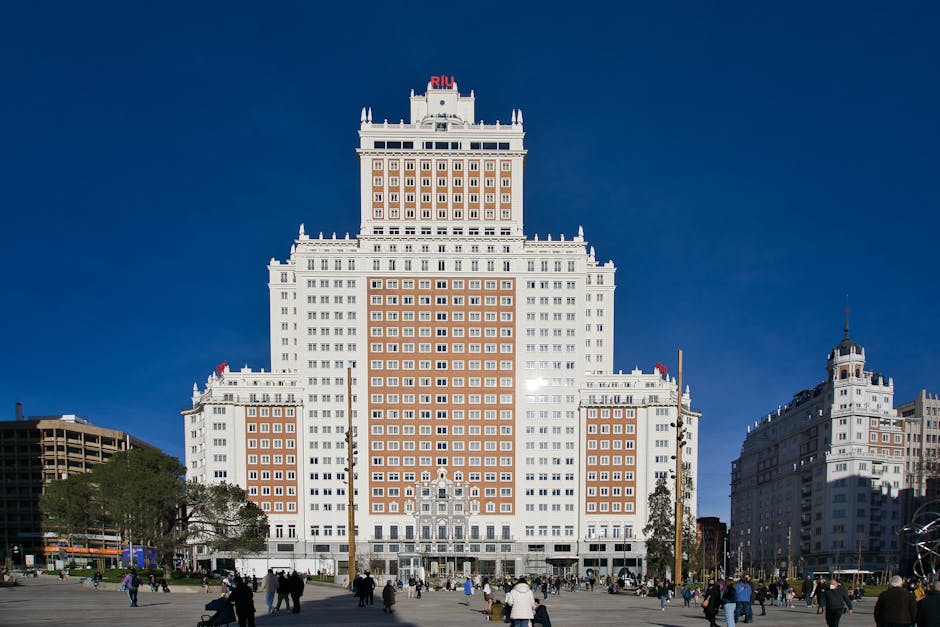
x=442 y=81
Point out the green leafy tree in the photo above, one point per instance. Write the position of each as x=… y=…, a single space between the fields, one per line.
x=141 y=490
x=691 y=547
x=660 y=531
x=69 y=507
x=143 y=495
x=220 y=516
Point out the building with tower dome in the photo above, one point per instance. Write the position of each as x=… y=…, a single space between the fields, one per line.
x=817 y=485
x=474 y=364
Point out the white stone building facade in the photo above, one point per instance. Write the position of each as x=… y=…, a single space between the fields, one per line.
x=481 y=370
x=817 y=486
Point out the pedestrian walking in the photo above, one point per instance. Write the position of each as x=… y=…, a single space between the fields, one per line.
x=283 y=592
x=895 y=607
x=662 y=592
x=742 y=595
x=368 y=589
x=388 y=596
x=808 y=590
x=711 y=602
x=467 y=591
x=412 y=583
x=269 y=589
x=835 y=603
x=523 y=604
x=241 y=598
x=760 y=595
x=819 y=592
x=729 y=602
x=295 y=586
x=131 y=583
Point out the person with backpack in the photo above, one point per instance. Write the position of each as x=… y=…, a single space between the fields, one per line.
x=131 y=583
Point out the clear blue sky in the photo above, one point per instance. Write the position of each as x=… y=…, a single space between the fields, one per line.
x=745 y=166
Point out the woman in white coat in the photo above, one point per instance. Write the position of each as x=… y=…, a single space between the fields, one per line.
x=523 y=604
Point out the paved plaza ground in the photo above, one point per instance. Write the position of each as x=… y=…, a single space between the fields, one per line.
x=49 y=601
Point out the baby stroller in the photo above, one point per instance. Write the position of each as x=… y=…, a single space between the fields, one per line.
x=224 y=613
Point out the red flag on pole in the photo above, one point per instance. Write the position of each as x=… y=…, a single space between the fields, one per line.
x=221 y=367
x=662 y=369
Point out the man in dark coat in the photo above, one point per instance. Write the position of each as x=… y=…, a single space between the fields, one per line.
x=295 y=585
x=241 y=598
x=835 y=600
x=283 y=592
x=928 y=610
x=895 y=607
x=808 y=590
x=367 y=585
x=388 y=596
x=541 y=618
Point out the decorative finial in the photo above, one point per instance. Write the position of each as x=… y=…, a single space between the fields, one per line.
x=519 y=116
x=369 y=116
x=302 y=232
x=362 y=116
x=847 y=311
x=513 y=116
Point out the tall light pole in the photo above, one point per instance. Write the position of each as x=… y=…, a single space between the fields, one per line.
x=680 y=433
x=725 y=573
x=351 y=470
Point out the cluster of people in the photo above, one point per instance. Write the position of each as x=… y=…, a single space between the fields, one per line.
x=240 y=593
x=903 y=604
x=908 y=604
x=520 y=607
x=287 y=588
x=735 y=600
x=157 y=584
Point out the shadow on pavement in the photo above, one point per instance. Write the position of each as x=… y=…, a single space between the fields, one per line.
x=339 y=608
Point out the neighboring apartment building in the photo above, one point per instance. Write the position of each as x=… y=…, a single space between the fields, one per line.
x=492 y=433
x=922 y=473
x=36 y=451
x=817 y=486
x=713 y=538
x=922 y=439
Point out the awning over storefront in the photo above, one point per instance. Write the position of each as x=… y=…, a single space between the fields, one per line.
x=561 y=561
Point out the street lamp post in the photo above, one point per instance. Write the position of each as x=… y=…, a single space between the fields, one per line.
x=725 y=573
x=680 y=496
x=351 y=470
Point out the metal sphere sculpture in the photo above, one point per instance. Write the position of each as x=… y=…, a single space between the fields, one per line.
x=924 y=534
